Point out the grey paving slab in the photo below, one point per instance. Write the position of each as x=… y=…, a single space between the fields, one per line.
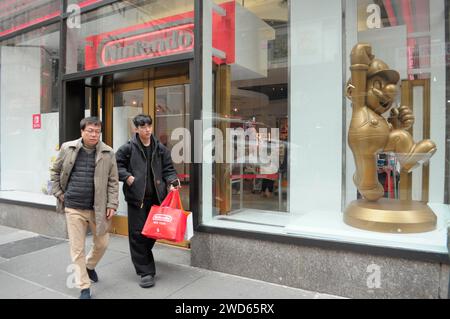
x=43 y=273
x=162 y=252
x=25 y=246
x=119 y=243
x=12 y=287
x=4 y=230
x=222 y=286
x=174 y=255
x=8 y=234
x=49 y=267
x=121 y=281
x=46 y=294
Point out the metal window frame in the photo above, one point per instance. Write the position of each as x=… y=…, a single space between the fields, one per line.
x=344 y=110
x=62 y=70
x=196 y=67
x=160 y=61
x=447 y=147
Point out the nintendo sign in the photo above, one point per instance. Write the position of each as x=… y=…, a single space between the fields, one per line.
x=148 y=45
x=163 y=37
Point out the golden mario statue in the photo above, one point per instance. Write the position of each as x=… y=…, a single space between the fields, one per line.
x=372 y=89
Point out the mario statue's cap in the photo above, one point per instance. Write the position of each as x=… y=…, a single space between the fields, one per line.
x=378 y=67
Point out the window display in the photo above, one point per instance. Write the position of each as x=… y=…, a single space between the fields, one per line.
x=409 y=38
x=372 y=90
x=250 y=110
x=29 y=117
x=315 y=176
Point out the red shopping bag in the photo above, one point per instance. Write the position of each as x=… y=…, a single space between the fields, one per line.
x=167 y=221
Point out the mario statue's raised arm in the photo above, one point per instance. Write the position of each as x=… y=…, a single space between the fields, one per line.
x=360 y=59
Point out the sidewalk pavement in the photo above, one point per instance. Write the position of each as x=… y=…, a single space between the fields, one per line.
x=37 y=267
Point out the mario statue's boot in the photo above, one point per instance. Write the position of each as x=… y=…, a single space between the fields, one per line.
x=366 y=178
x=420 y=153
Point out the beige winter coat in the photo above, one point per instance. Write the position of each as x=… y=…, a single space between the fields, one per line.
x=106 y=179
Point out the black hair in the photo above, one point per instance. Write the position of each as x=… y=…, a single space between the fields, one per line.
x=142 y=119
x=93 y=120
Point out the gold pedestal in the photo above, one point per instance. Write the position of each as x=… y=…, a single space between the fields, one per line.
x=390 y=216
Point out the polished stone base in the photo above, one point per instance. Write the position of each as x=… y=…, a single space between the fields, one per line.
x=326 y=270
x=39 y=220
x=390 y=216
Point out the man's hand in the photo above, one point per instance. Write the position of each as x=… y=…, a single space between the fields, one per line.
x=61 y=197
x=402 y=117
x=177 y=185
x=110 y=212
x=171 y=187
x=361 y=54
x=130 y=180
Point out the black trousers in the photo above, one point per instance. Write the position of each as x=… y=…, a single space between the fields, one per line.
x=267 y=184
x=140 y=246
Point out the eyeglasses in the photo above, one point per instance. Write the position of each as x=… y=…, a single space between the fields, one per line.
x=93 y=132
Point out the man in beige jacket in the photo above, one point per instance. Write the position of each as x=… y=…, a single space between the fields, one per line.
x=86 y=185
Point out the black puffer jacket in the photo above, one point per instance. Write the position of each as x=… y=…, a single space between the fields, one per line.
x=80 y=188
x=131 y=161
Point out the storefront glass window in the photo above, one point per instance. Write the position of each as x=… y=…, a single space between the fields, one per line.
x=130 y=31
x=29 y=114
x=290 y=70
x=18 y=15
x=249 y=113
x=408 y=36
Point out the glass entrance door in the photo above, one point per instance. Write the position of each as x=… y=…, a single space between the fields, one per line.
x=166 y=100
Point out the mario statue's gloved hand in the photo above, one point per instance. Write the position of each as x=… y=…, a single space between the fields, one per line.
x=361 y=54
x=402 y=117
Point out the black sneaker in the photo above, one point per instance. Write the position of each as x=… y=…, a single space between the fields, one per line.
x=147 y=281
x=92 y=275
x=85 y=294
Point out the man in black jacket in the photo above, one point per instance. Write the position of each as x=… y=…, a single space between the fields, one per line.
x=146 y=170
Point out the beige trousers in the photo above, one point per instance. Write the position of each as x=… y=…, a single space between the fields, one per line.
x=78 y=221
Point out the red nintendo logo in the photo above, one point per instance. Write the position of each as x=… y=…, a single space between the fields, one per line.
x=164 y=42
x=162 y=218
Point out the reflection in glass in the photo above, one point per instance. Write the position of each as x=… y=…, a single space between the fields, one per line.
x=251 y=104
x=127 y=104
x=172 y=113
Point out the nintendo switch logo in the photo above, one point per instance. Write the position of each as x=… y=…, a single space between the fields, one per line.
x=36 y=121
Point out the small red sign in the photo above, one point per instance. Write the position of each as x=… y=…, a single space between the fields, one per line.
x=36 y=121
